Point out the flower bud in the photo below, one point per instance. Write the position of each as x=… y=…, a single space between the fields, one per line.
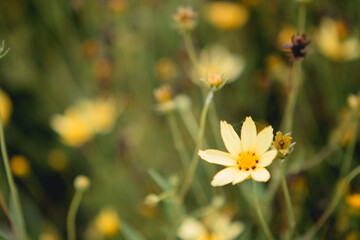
x=283 y=144
x=81 y=183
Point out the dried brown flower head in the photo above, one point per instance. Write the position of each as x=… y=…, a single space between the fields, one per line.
x=283 y=144
x=297 y=46
x=185 y=18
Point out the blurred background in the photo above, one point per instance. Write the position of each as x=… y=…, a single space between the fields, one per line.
x=77 y=98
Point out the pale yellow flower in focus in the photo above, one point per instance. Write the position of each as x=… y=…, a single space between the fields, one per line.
x=333 y=41
x=108 y=222
x=5 y=107
x=216 y=226
x=247 y=157
x=19 y=166
x=216 y=60
x=226 y=15
x=73 y=127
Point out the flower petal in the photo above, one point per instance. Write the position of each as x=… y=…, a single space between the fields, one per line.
x=248 y=135
x=263 y=140
x=231 y=139
x=267 y=158
x=241 y=176
x=217 y=157
x=260 y=174
x=225 y=176
x=191 y=229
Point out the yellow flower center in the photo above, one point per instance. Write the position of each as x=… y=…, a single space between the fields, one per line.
x=247 y=161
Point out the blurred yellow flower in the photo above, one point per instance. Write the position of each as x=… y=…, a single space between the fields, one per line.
x=285 y=35
x=215 y=226
x=353 y=201
x=108 y=222
x=86 y=118
x=217 y=60
x=90 y=48
x=165 y=69
x=73 y=127
x=247 y=157
x=5 y=107
x=57 y=160
x=277 y=68
x=226 y=15
x=333 y=41
x=81 y=183
x=103 y=68
x=118 y=6
x=185 y=18
x=19 y=166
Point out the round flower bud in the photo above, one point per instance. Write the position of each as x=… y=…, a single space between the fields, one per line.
x=81 y=183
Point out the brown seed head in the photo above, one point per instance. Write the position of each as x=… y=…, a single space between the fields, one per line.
x=297 y=46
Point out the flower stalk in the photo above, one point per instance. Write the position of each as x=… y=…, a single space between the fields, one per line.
x=260 y=215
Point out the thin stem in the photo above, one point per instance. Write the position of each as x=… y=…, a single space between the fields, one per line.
x=341 y=186
x=289 y=206
x=195 y=158
x=190 y=122
x=214 y=122
x=351 y=146
x=74 y=205
x=191 y=50
x=13 y=191
x=260 y=215
x=301 y=18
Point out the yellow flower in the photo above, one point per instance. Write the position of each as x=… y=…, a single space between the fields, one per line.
x=285 y=35
x=73 y=127
x=57 y=160
x=226 y=15
x=333 y=42
x=108 y=222
x=5 y=107
x=277 y=68
x=353 y=201
x=247 y=156
x=165 y=69
x=19 y=166
x=215 y=226
x=81 y=183
x=217 y=60
x=185 y=18
x=283 y=144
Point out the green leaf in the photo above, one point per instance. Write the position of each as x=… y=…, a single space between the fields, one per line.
x=130 y=233
x=163 y=184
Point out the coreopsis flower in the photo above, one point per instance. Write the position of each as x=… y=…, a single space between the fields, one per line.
x=185 y=18
x=353 y=201
x=19 y=166
x=165 y=69
x=164 y=97
x=247 y=157
x=296 y=48
x=217 y=226
x=226 y=15
x=217 y=64
x=5 y=107
x=108 y=222
x=283 y=144
x=73 y=127
x=334 y=41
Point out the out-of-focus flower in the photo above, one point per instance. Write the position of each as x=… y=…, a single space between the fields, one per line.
x=81 y=183
x=285 y=35
x=108 y=222
x=226 y=15
x=352 y=236
x=283 y=144
x=151 y=200
x=297 y=46
x=246 y=158
x=57 y=160
x=165 y=69
x=216 y=60
x=185 y=18
x=118 y=6
x=334 y=41
x=5 y=107
x=19 y=166
x=73 y=127
x=90 y=48
x=48 y=236
x=353 y=201
x=86 y=118
x=103 y=68
x=277 y=68
x=164 y=97
x=216 y=226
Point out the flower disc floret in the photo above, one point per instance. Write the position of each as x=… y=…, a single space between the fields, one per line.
x=246 y=157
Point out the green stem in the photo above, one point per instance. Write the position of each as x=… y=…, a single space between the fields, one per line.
x=301 y=18
x=214 y=122
x=195 y=158
x=341 y=186
x=289 y=206
x=190 y=122
x=12 y=186
x=351 y=146
x=74 y=205
x=191 y=50
x=260 y=215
